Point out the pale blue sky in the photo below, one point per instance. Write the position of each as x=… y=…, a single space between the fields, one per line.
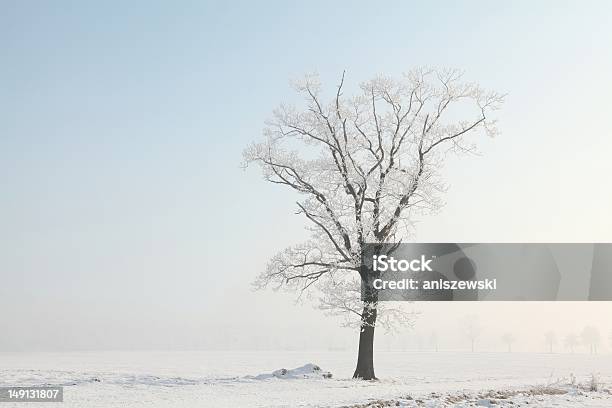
x=122 y=125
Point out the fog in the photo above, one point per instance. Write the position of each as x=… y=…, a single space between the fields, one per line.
x=127 y=222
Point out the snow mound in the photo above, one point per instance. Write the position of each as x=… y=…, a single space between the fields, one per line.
x=306 y=371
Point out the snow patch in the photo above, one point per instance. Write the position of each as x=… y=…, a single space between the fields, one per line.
x=306 y=371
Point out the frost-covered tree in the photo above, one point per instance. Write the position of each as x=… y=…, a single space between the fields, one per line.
x=363 y=167
x=508 y=339
x=591 y=338
x=550 y=337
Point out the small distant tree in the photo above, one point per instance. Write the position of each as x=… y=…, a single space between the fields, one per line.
x=551 y=339
x=419 y=342
x=472 y=329
x=571 y=342
x=508 y=339
x=591 y=338
x=433 y=340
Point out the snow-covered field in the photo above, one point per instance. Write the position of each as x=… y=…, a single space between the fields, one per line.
x=227 y=379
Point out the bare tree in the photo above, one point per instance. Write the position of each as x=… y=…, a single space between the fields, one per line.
x=591 y=338
x=472 y=329
x=508 y=339
x=433 y=340
x=550 y=338
x=364 y=167
x=571 y=341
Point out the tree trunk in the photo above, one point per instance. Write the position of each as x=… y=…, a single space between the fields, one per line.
x=365 y=358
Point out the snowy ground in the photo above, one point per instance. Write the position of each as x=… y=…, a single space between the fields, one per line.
x=225 y=379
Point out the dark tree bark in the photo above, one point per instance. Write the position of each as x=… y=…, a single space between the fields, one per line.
x=365 y=358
